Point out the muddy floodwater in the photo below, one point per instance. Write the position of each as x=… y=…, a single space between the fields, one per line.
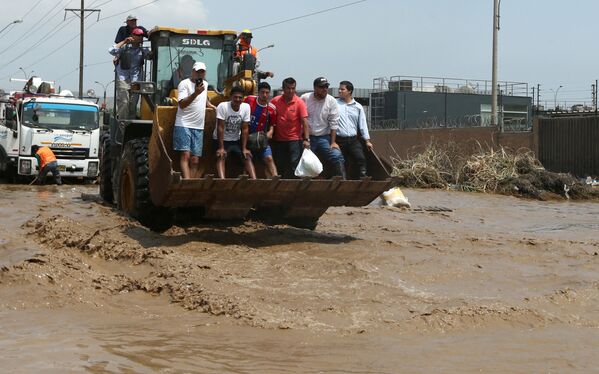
x=461 y=283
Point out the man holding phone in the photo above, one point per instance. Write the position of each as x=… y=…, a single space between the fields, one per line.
x=188 y=133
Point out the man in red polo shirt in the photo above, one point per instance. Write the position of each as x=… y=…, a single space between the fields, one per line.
x=292 y=133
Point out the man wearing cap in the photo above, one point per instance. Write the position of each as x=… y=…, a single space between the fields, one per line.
x=188 y=133
x=131 y=57
x=125 y=31
x=244 y=44
x=323 y=118
x=244 y=47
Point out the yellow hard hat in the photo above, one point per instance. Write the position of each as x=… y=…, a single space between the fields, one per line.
x=246 y=32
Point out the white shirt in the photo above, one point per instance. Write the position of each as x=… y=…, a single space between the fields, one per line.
x=352 y=119
x=323 y=115
x=233 y=120
x=194 y=114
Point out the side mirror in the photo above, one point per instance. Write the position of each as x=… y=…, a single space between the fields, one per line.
x=10 y=114
x=106 y=118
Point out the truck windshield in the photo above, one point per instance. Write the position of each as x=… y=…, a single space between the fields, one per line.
x=61 y=116
x=176 y=60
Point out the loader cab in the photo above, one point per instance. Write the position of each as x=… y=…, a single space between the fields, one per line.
x=176 y=50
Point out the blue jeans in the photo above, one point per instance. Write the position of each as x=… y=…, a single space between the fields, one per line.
x=50 y=167
x=186 y=139
x=321 y=146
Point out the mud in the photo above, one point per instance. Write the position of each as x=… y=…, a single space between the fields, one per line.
x=460 y=283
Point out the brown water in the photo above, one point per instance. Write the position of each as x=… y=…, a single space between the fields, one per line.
x=487 y=284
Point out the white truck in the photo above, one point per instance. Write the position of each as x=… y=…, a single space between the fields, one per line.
x=69 y=126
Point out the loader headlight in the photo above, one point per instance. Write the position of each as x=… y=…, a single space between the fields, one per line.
x=25 y=166
x=92 y=169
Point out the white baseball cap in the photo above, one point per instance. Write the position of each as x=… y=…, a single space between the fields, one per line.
x=199 y=66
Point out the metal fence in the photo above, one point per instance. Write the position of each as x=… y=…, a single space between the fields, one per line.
x=569 y=144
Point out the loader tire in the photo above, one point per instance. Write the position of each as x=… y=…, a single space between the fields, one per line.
x=105 y=177
x=134 y=190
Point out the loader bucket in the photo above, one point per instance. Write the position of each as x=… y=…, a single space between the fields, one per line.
x=235 y=198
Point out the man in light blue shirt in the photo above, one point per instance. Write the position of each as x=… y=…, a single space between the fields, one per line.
x=131 y=57
x=352 y=122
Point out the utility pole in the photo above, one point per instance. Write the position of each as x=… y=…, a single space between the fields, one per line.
x=595 y=97
x=82 y=17
x=538 y=94
x=536 y=111
x=494 y=121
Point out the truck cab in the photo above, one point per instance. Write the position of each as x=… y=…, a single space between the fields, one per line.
x=69 y=126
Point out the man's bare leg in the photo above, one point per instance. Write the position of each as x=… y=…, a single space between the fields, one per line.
x=184 y=164
x=194 y=169
x=220 y=167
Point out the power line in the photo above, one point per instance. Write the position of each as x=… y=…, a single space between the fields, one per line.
x=128 y=10
x=32 y=8
x=27 y=34
x=308 y=15
x=87 y=28
x=23 y=16
x=31 y=48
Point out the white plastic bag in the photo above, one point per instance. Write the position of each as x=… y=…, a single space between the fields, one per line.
x=309 y=165
x=395 y=197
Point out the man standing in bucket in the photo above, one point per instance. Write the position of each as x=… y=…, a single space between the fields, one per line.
x=352 y=126
x=323 y=118
x=188 y=133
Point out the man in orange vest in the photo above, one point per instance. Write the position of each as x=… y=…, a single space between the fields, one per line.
x=47 y=163
x=245 y=44
x=245 y=47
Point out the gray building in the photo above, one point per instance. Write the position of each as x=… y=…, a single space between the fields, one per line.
x=426 y=102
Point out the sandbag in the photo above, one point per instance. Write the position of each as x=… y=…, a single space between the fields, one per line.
x=309 y=165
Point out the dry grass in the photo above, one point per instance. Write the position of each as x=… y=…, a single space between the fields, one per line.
x=488 y=170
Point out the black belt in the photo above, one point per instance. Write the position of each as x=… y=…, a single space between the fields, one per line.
x=347 y=137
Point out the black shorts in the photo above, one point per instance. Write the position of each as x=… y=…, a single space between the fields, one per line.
x=232 y=148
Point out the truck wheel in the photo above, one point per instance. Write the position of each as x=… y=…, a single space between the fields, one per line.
x=105 y=177
x=134 y=193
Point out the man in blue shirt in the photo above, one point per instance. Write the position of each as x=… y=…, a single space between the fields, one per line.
x=352 y=120
x=125 y=31
x=131 y=57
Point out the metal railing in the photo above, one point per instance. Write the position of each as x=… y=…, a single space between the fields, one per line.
x=447 y=85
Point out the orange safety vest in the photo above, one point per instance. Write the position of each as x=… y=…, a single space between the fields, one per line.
x=244 y=47
x=46 y=156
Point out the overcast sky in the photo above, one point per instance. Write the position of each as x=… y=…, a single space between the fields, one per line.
x=545 y=42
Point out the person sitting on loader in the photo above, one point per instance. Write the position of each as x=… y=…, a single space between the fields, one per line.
x=232 y=120
x=262 y=124
x=183 y=71
x=47 y=163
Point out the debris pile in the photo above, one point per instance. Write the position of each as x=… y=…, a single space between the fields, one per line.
x=497 y=171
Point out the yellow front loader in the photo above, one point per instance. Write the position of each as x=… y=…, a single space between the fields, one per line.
x=139 y=171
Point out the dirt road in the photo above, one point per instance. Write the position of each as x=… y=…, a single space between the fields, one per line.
x=461 y=283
